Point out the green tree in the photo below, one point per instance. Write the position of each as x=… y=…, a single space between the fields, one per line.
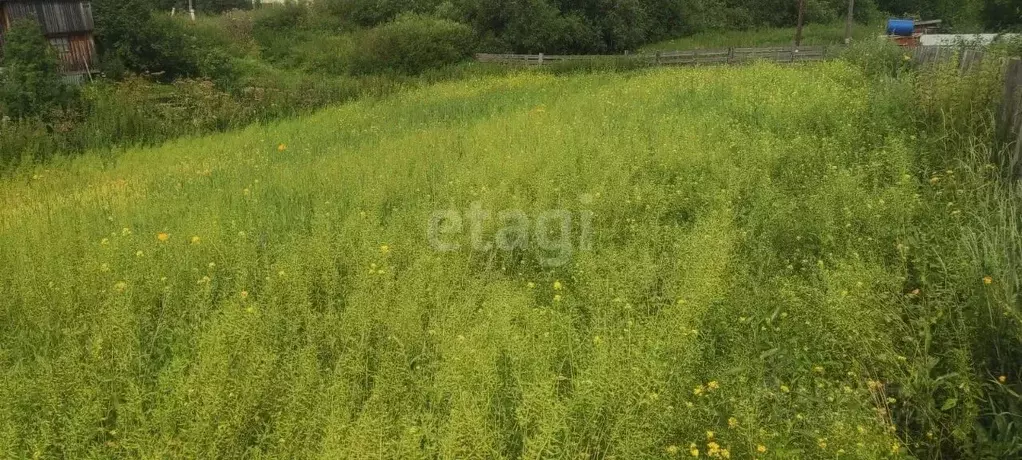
x=130 y=36
x=1002 y=14
x=119 y=23
x=30 y=84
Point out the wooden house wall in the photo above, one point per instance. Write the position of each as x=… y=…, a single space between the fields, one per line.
x=77 y=52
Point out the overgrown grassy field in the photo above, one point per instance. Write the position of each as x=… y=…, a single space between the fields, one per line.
x=813 y=34
x=750 y=286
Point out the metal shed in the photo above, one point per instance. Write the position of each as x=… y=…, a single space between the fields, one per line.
x=67 y=24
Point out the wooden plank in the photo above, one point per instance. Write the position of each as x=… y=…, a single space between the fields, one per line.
x=1010 y=117
x=1008 y=110
x=55 y=16
x=1015 y=161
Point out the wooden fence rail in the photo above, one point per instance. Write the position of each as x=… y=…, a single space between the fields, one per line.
x=689 y=57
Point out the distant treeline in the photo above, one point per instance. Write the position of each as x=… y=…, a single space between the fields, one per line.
x=595 y=26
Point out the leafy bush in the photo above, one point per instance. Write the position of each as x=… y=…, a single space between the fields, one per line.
x=368 y=13
x=143 y=111
x=878 y=57
x=30 y=84
x=232 y=32
x=133 y=38
x=279 y=30
x=410 y=45
x=166 y=48
x=279 y=19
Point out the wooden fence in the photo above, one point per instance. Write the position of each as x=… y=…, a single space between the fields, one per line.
x=1010 y=117
x=689 y=57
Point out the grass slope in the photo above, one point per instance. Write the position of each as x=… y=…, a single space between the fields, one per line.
x=813 y=34
x=738 y=295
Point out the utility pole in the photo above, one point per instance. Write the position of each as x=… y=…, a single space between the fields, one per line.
x=191 y=10
x=801 y=20
x=850 y=22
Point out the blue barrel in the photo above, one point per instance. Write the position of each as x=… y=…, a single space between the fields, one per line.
x=901 y=27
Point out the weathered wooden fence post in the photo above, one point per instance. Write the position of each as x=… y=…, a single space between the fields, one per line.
x=731 y=55
x=1009 y=121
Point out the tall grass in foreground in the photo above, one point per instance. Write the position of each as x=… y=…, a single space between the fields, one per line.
x=964 y=327
x=775 y=274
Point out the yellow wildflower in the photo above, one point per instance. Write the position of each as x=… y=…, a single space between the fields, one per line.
x=988 y=280
x=698 y=391
x=163 y=236
x=558 y=286
x=244 y=294
x=384 y=249
x=693 y=450
x=732 y=423
x=531 y=285
x=557 y=298
x=761 y=449
x=1002 y=379
x=724 y=453
x=712 y=449
x=672 y=449
x=104 y=242
x=196 y=240
x=713 y=385
x=139 y=254
x=785 y=389
x=121 y=286
x=709 y=435
x=281 y=148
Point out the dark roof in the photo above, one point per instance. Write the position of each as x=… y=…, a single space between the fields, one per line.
x=55 y=16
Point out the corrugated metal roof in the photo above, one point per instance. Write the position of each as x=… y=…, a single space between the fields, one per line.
x=55 y=16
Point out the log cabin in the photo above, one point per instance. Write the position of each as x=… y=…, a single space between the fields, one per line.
x=67 y=25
